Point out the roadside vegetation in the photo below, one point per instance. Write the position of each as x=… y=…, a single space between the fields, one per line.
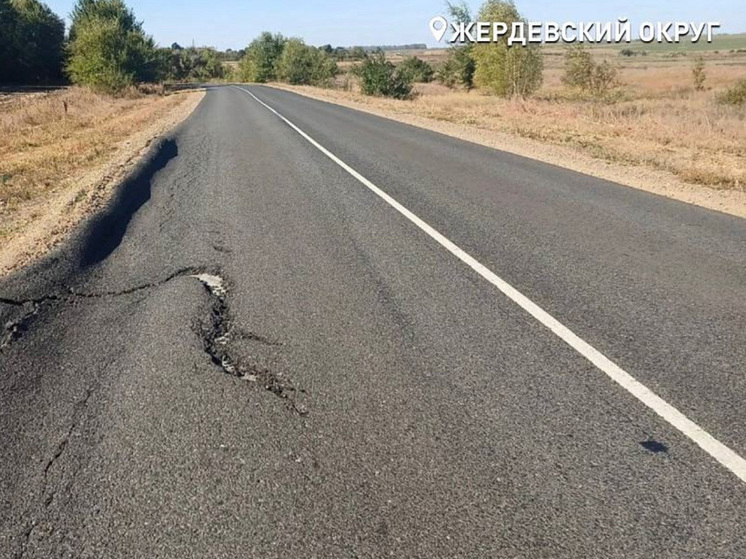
x=501 y=69
x=272 y=57
x=193 y=64
x=32 y=41
x=45 y=137
x=380 y=77
x=595 y=79
x=416 y=70
x=680 y=109
x=63 y=145
x=106 y=49
x=496 y=67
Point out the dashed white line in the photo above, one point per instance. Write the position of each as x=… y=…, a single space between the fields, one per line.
x=720 y=452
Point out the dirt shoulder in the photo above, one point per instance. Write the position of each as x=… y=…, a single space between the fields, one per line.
x=62 y=155
x=585 y=158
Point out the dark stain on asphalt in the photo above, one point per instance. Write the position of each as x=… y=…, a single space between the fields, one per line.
x=654 y=446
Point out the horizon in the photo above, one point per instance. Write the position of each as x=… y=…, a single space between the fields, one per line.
x=371 y=25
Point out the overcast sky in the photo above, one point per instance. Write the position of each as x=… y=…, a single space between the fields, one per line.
x=232 y=24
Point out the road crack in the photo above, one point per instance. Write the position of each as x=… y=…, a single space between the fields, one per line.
x=47 y=494
x=15 y=329
x=218 y=333
x=78 y=409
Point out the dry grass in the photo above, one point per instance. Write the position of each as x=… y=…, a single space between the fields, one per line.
x=691 y=135
x=62 y=153
x=48 y=138
x=660 y=122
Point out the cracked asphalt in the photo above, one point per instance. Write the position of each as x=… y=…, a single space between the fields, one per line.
x=354 y=390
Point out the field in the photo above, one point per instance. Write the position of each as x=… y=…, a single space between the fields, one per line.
x=658 y=121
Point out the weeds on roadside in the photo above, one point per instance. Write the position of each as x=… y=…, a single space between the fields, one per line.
x=734 y=95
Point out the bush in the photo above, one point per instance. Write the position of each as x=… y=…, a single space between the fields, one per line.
x=630 y=52
x=734 y=95
x=110 y=51
x=192 y=64
x=584 y=73
x=259 y=63
x=503 y=69
x=458 y=69
x=416 y=69
x=301 y=64
x=380 y=77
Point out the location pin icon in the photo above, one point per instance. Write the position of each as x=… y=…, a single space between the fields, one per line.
x=438 y=26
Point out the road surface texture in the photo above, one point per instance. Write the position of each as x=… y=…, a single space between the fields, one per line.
x=251 y=353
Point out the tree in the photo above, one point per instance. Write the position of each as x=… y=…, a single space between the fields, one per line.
x=458 y=69
x=8 y=42
x=31 y=42
x=105 y=9
x=110 y=51
x=42 y=35
x=501 y=68
x=206 y=64
x=300 y=64
x=459 y=11
x=260 y=60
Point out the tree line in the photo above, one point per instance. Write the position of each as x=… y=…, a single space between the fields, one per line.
x=494 y=67
x=106 y=48
x=272 y=57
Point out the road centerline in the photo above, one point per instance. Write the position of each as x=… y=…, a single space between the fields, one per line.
x=712 y=446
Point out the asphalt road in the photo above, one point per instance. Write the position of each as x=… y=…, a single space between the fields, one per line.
x=345 y=386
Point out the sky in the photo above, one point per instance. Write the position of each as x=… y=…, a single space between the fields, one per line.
x=233 y=24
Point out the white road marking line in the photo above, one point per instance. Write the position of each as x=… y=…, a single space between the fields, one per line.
x=720 y=452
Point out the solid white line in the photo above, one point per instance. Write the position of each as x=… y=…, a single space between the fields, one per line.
x=720 y=452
